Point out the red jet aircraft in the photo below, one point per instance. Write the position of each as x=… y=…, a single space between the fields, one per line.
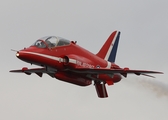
x=66 y=61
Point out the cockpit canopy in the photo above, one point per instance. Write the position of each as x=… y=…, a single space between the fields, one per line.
x=51 y=42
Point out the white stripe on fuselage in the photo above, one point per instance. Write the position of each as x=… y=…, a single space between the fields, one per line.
x=108 y=64
x=111 y=47
x=43 y=55
x=59 y=59
x=51 y=57
x=72 y=61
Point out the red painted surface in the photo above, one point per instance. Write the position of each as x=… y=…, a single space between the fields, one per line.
x=74 y=64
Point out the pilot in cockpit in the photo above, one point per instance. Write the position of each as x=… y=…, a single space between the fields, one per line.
x=51 y=42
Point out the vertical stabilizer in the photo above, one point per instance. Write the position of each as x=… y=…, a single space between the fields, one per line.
x=109 y=49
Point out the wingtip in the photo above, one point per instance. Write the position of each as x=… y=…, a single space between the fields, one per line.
x=11 y=71
x=161 y=73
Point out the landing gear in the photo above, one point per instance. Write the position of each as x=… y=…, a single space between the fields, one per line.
x=101 y=89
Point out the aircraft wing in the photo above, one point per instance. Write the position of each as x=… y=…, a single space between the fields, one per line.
x=123 y=72
x=38 y=71
x=33 y=70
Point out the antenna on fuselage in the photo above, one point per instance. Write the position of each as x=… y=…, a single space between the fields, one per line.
x=74 y=42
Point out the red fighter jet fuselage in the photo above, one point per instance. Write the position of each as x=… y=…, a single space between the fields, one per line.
x=66 y=61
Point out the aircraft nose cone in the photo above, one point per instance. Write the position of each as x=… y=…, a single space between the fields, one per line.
x=22 y=55
x=19 y=54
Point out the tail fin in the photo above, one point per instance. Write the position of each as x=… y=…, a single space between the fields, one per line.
x=109 y=49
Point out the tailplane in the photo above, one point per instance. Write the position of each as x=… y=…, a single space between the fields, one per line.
x=109 y=49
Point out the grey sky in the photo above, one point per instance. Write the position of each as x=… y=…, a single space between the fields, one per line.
x=143 y=45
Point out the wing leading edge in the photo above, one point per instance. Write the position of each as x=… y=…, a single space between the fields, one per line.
x=33 y=70
x=111 y=71
x=38 y=71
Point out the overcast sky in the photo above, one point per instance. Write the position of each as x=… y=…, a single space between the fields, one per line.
x=143 y=45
